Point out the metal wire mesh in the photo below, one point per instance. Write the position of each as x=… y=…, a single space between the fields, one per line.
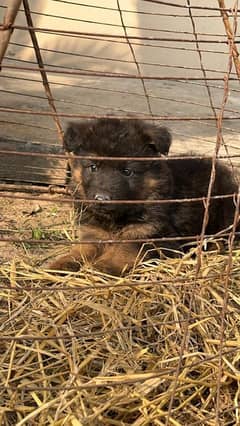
x=173 y=63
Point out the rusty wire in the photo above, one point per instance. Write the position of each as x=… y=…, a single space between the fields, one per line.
x=217 y=116
x=126 y=10
x=164 y=372
x=106 y=35
x=112 y=331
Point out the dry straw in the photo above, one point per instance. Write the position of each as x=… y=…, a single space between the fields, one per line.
x=91 y=349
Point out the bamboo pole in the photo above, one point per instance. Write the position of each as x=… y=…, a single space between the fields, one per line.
x=6 y=28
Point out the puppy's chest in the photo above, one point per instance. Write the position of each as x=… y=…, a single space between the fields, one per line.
x=109 y=223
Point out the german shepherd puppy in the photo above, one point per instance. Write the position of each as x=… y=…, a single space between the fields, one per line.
x=106 y=181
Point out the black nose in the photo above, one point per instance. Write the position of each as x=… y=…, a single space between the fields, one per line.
x=102 y=197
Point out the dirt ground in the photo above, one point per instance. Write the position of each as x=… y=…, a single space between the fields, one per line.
x=33 y=219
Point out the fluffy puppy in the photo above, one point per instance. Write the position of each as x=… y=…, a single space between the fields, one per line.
x=106 y=181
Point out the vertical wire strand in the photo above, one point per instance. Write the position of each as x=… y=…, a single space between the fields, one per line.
x=205 y=74
x=135 y=60
x=231 y=239
x=230 y=34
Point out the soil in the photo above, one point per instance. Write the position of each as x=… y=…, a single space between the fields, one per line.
x=44 y=221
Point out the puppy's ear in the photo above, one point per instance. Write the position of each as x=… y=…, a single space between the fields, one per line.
x=73 y=136
x=159 y=139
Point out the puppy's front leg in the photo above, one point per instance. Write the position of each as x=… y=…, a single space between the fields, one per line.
x=117 y=259
x=82 y=253
x=122 y=257
x=160 y=229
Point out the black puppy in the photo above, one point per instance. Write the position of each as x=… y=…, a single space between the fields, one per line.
x=107 y=181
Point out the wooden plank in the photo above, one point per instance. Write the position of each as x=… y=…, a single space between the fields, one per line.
x=31 y=169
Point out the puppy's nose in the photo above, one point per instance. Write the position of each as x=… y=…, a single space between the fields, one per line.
x=102 y=197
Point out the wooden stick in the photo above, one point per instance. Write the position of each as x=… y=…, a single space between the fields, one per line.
x=6 y=30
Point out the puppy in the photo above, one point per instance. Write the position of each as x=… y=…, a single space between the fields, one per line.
x=106 y=181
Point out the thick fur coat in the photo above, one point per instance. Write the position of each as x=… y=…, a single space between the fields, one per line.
x=107 y=181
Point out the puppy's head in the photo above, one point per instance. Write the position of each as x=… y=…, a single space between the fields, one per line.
x=117 y=138
x=109 y=180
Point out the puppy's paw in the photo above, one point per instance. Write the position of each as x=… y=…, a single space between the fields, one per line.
x=66 y=263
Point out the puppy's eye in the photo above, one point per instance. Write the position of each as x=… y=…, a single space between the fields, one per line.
x=127 y=172
x=93 y=168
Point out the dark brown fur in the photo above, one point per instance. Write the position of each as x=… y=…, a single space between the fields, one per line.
x=137 y=180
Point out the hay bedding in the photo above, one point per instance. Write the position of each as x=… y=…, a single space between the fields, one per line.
x=127 y=364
